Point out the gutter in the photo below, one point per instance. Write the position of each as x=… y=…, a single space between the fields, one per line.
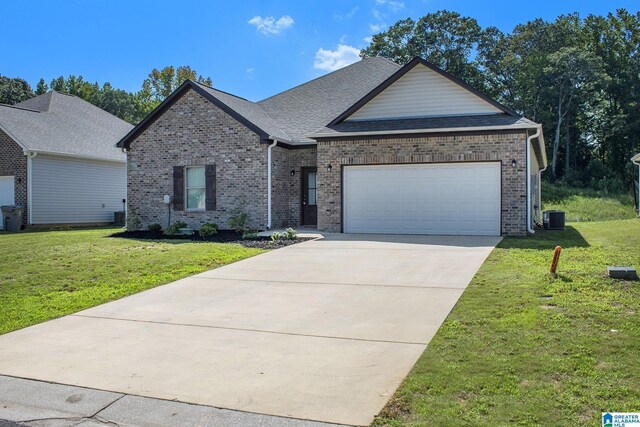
x=530 y=138
x=77 y=156
x=411 y=131
x=275 y=142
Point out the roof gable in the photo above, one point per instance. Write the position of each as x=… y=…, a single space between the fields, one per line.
x=64 y=124
x=420 y=90
x=236 y=107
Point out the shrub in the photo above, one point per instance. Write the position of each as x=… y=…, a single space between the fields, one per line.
x=277 y=236
x=250 y=234
x=208 y=229
x=155 y=228
x=239 y=221
x=133 y=220
x=173 y=228
x=290 y=233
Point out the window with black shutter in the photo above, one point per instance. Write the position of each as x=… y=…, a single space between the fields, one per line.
x=194 y=188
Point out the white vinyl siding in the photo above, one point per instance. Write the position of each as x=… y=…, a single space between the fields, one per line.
x=422 y=92
x=445 y=199
x=68 y=190
x=7 y=192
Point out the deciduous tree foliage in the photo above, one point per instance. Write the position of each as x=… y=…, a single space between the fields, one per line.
x=14 y=90
x=579 y=77
x=129 y=106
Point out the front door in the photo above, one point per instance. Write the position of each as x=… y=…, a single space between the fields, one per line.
x=309 y=204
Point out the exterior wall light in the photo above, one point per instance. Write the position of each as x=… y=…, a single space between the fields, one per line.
x=514 y=163
x=329 y=167
x=293 y=172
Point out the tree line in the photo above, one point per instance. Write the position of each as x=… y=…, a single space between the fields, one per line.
x=578 y=77
x=129 y=106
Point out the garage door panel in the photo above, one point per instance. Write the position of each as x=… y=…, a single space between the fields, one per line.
x=460 y=198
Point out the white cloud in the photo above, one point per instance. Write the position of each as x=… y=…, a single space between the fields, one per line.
x=250 y=71
x=331 y=60
x=376 y=28
x=269 y=25
x=347 y=15
x=368 y=39
x=393 y=5
x=378 y=15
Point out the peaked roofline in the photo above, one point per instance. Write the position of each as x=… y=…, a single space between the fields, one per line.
x=320 y=77
x=173 y=98
x=401 y=72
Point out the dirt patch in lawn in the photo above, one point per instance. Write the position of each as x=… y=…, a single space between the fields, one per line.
x=223 y=236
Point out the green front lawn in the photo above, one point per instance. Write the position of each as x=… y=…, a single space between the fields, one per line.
x=583 y=204
x=47 y=274
x=520 y=348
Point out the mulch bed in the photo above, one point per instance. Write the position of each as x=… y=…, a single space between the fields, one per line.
x=223 y=236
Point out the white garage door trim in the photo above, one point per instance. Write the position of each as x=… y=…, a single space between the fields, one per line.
x=425 y=198
x=7 y=193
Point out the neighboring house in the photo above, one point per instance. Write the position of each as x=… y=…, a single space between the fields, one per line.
x=58 y=159
x=371 y=148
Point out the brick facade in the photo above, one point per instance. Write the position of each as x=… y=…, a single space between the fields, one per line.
x=287 y=189
x=13 y=161
x=193 y=131
x=502 y=147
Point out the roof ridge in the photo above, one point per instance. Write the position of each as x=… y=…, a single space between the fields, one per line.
x=320 y=77
x=222 y=91
x=385 y=58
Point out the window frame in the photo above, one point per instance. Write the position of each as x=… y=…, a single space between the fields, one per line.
x=187 y=188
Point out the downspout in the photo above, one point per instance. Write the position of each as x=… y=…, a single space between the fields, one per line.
x=275 y=142
x=530 y=229
x=540 y=179
x=637 y=163
x=30 y=156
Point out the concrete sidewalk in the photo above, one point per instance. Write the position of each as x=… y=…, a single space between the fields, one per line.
x=323 y=330
x=36 y=403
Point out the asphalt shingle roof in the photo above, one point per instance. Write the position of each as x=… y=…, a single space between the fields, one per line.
x=249 y=110
x=64 y=124
x=314 y=104
x=426 y=123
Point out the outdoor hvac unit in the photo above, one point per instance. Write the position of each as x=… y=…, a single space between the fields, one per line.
x=553 y=220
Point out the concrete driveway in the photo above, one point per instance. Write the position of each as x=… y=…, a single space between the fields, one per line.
x=323 y=330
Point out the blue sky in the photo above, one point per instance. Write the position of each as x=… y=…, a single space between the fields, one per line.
x=251 y=48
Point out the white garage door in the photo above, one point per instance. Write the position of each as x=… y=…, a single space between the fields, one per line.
x=7 y=192
x=449 y=198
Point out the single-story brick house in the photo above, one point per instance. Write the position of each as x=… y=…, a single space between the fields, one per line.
x=58 y=159
x=371 y=148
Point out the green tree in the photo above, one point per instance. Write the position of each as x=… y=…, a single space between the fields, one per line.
x=443 y=38
x=14 y=90
x=42 y=87
x=161 y=83
x=571 y=72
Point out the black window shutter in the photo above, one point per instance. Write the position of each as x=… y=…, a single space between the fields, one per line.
x=210 y=190
x=178 y=188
